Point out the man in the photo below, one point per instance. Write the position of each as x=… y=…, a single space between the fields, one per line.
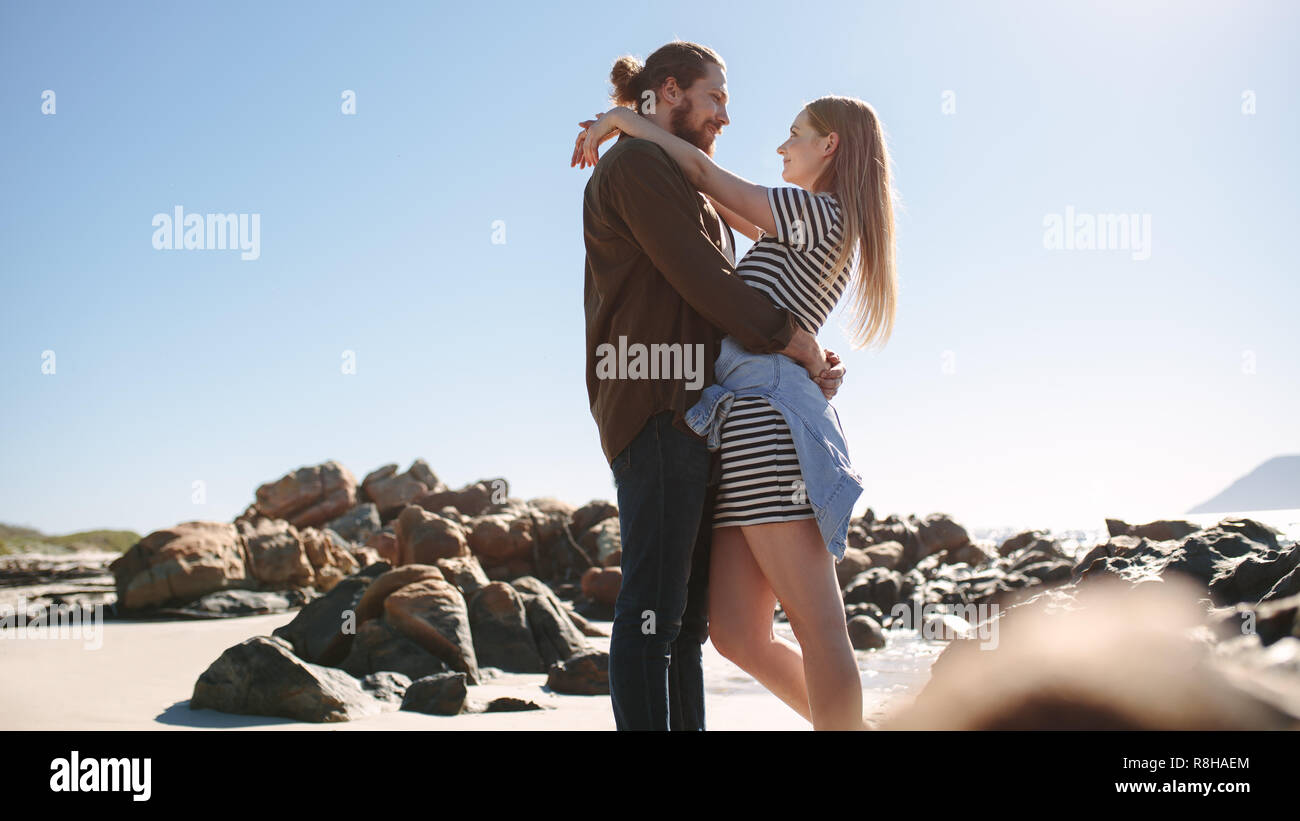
x=658 y=280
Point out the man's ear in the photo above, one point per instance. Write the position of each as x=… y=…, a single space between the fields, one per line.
x=670 y=91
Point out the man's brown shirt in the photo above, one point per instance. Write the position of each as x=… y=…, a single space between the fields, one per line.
x=656 y=274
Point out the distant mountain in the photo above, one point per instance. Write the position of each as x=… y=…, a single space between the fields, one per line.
x=1274 y=485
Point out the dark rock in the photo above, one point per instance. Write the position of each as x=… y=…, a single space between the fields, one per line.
x=1252 y=577
x=555 y=634
x=1277 y=619
x=379 y=648
x=865 y=633
x=585 y=674
x=442 y=694
x=358 y=524
x=879 y=586
x=234 y=603
x=498 y=621
x=386 y=686
x=260 y=676
x=509 y=704
x=465 y=572
x=322 y=632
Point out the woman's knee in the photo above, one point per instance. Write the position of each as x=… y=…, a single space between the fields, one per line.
x=734 y=640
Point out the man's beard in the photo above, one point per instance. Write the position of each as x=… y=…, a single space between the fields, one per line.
x=678 y=121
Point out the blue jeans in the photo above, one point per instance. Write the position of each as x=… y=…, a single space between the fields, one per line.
x=666 y=480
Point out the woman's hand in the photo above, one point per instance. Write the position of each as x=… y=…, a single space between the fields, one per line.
x=831 y=377
x=586 y=149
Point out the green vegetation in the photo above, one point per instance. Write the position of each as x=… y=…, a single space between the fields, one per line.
x=27 y=540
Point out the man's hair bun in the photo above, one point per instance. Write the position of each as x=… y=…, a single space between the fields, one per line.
x=623 y=76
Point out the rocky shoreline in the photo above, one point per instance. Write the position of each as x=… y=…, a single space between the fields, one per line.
x=409 y=593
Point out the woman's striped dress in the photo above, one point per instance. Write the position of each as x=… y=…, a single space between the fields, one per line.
x=760 y=479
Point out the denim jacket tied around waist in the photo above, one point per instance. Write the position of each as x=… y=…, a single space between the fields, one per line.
x=830 y=482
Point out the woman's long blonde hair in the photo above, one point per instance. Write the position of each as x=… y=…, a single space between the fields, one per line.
x=859 y=177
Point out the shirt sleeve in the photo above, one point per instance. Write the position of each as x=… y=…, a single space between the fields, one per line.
x=659 y=209
x=803 y=220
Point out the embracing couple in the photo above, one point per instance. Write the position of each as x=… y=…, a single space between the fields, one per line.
x=734 y=490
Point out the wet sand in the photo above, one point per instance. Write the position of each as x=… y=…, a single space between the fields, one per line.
x=143 y=674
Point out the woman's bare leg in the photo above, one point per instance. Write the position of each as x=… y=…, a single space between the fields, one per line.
x=801 y=572
x=741 y=606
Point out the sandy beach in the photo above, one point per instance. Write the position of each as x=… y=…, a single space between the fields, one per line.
x=143 y=674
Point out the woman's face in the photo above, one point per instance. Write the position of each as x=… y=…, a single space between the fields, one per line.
x=805 y=154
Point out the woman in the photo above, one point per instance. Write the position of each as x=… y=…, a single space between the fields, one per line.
x=833 y=225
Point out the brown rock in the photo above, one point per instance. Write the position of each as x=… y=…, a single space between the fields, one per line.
x=602 y=584
x=885 y=554
x=372 y=603
x=310 y=495
x=472 y=500
x=855 y=561
x=432 y=613
x=391 y=491
x=384 y=543
x=593 y=512
x=466 y=573
x=276 y=556
x=179 y=564
x=331 y=561
x=423 y=537
x=497 y=539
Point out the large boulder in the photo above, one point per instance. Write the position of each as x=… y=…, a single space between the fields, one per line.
x=359 y=524
x=309 y=496
x=938 y=532
x=378 y=648
x=391 y=491
x=472 y=500
x=602 y=540
x=323 y=631
x=465 y=572
x=556 y=635
x=330 y=559
x=440 y=694
x=601 y=584
x=276 y=557
x=176 y=565
x=498 y=539
x=593 y=512
x=371 y=605
x=432 y=613
x=424 y=537
x=261 y=676
x=498 y=619
x=584 y=674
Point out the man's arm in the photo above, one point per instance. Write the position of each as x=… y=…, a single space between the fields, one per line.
x=659 y=209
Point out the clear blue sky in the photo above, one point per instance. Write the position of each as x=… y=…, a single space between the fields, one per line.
x=1086 y=383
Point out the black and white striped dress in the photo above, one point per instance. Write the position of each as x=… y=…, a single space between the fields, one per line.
x=760 y=480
